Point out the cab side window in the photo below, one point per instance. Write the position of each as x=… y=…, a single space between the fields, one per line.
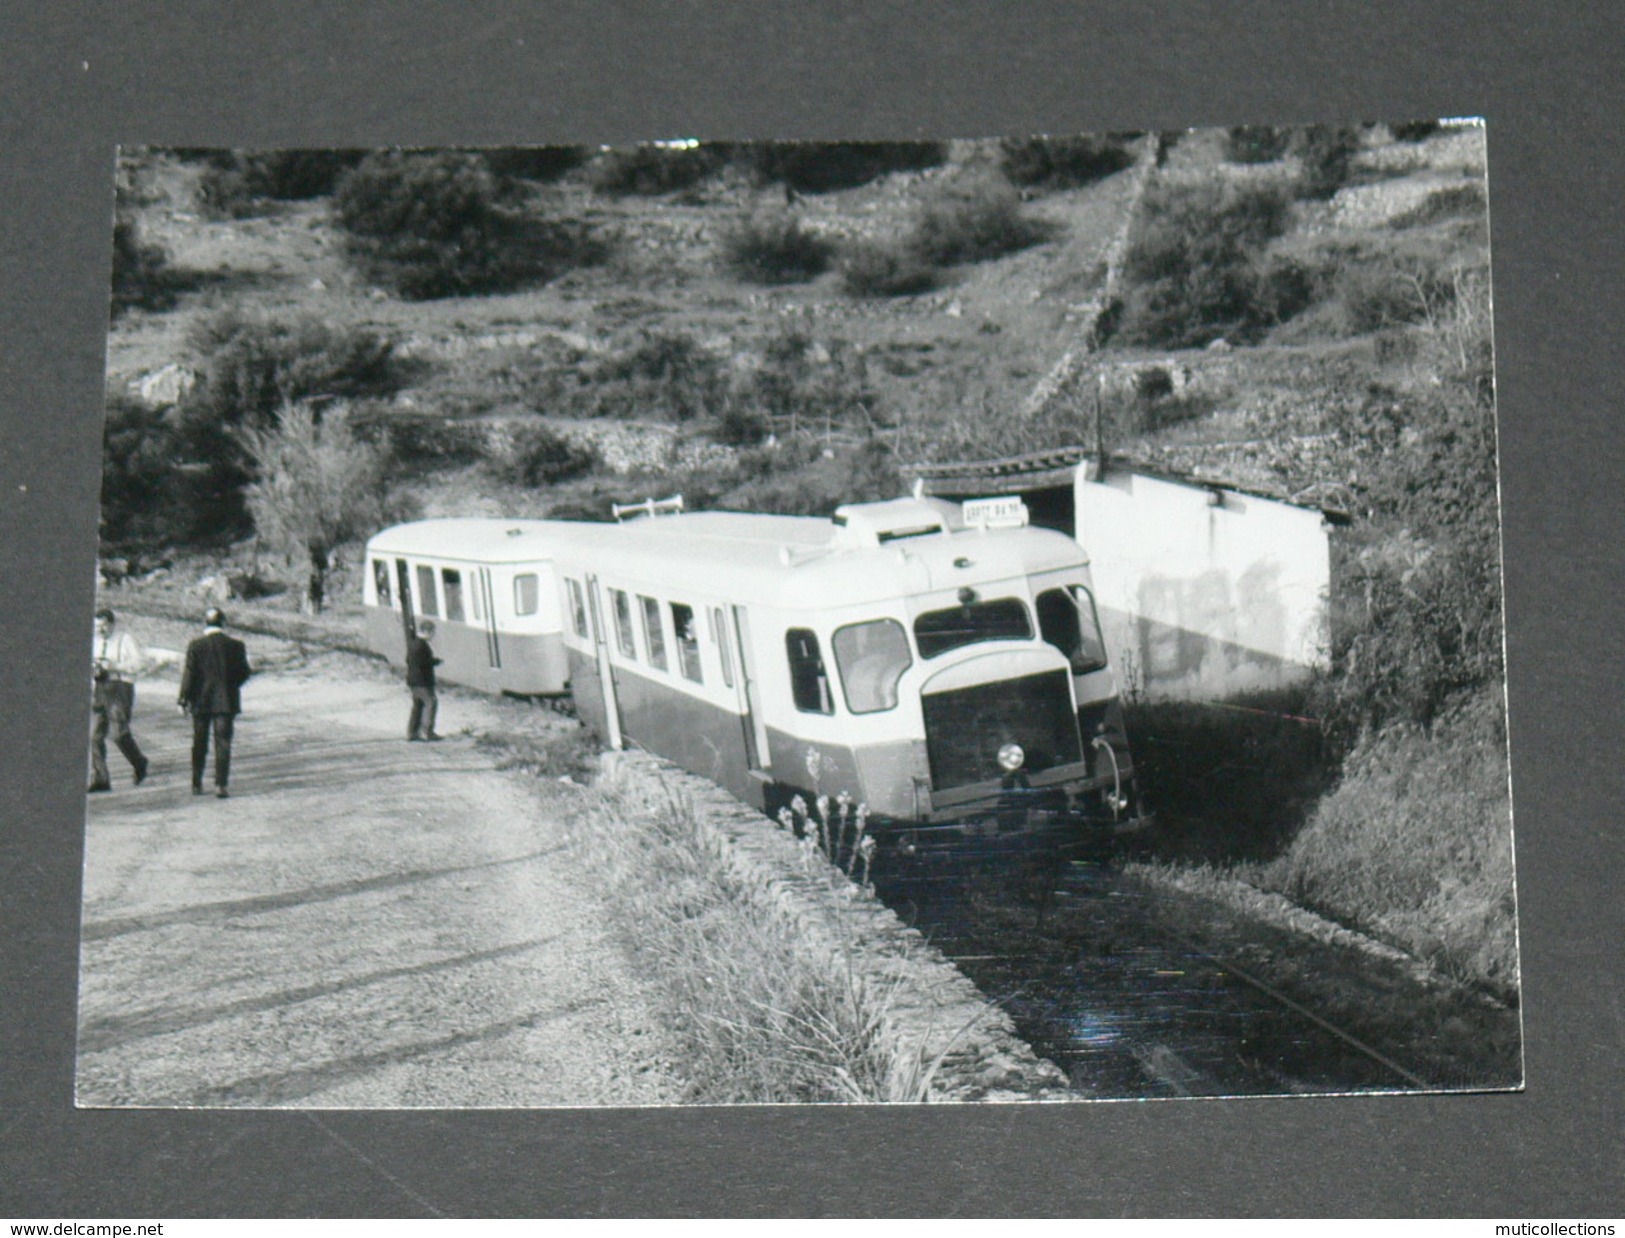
x=809 y=681
x=451 y=582
x=380 y=580
x=578 y=607
x=526 y=594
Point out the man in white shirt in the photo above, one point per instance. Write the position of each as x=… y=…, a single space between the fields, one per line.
x=117 y=658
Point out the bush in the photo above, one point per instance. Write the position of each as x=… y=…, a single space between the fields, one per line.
x=163 y=482
x=445 y=225
x=1415 y=130
x=664 y=374
x=1257 y=143
x=874 y=269
x=820 y=167
x=1195 y=270
x=254 y=365
x=972 y=222
x=538 y=455
x=235 y=184
x=774 y=249
x=536 y=163
x=652 y=169
x=1063 y=163
x=1327 y=154
x=423 y=439
x=799 y=479
x=142 y=276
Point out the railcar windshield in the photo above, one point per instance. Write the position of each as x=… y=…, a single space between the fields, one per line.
x=938 y=631
x=872 y=658
x=1067 y=620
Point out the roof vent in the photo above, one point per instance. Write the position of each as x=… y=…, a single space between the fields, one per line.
x=874 y=524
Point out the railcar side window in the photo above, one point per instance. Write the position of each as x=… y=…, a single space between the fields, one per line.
x=872 y=658
x=1067 y=620
x=654 y=636
x=426 y=593
x=809 y=681
x=938 y=631
x=688 y=641
x=578 y=607
x=719 y=633
x=623 y=624
x=526 y=596
x=451 y=580
x=380 y=580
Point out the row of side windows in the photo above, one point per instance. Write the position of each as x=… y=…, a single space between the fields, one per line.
x=684 y=630
x=451 y=592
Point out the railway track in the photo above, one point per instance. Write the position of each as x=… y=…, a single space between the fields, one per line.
x=1109 y=988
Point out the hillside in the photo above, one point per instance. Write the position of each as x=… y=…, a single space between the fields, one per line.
x=787 y=327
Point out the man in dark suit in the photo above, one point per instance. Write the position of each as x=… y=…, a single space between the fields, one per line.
x=216 y=668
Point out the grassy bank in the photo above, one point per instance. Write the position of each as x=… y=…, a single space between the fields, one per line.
x=1413 y=846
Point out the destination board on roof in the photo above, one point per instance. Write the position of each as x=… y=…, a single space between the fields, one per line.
x=1003 y=512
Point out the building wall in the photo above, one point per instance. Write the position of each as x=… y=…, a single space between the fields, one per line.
x=1204 y=593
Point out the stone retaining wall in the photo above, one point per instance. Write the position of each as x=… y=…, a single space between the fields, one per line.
x=934 y=1006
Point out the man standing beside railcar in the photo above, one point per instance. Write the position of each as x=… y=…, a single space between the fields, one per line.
x=216 y=669
x=420 y=664
x=116 y=659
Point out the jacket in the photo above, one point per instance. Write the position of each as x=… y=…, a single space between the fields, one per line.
x=216 y=668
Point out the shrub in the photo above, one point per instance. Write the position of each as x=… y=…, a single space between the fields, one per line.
x=774 y=249
x=663 y=374
x=1414 y=131
x=1327 y=154
x=819 y=167
x=876 y=269
x=1063 y=163
x=536 y=163
x=1195 y=270
x=538 y=455
x=445 y=225
x=1257 y=143
x=418 y=438
x=164 y=482
x=972 y=222
x=652 y=169
x=254 y=365
x=235 y=184
x=142 y=276
x=801 y=480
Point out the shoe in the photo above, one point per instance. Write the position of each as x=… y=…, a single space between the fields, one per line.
x=433 y=738
x=220 y=793
x=414 y=739
x=197 y=788
x=99 y=786
x=141 y=771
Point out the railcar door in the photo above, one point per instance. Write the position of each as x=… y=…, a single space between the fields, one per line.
x=403 y=577
x=488 y=608
x=606 y=669
x=756 y=749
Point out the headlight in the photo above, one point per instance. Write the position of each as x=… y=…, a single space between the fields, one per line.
x=1011 y=758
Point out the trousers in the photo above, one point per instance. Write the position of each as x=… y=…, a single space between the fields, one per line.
x=424 y=707
x=222 y=725
x=112 y=706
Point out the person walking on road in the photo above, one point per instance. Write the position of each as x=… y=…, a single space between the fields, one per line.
x=420 y=664
x=211 y=691
x=116 y=659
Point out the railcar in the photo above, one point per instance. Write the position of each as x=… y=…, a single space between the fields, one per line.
x=943 y=666
x=489 y=586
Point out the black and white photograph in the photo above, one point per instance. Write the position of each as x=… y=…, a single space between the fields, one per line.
x=994 y=620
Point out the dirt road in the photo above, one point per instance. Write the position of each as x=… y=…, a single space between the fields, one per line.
x=365 y=923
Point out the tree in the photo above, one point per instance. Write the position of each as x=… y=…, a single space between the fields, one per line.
x=317 y=486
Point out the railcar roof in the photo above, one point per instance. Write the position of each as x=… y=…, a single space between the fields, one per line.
x=481 y=539
x=804 y=561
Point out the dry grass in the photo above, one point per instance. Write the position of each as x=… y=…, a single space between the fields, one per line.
x=1415 y=847
x=772 y=1009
